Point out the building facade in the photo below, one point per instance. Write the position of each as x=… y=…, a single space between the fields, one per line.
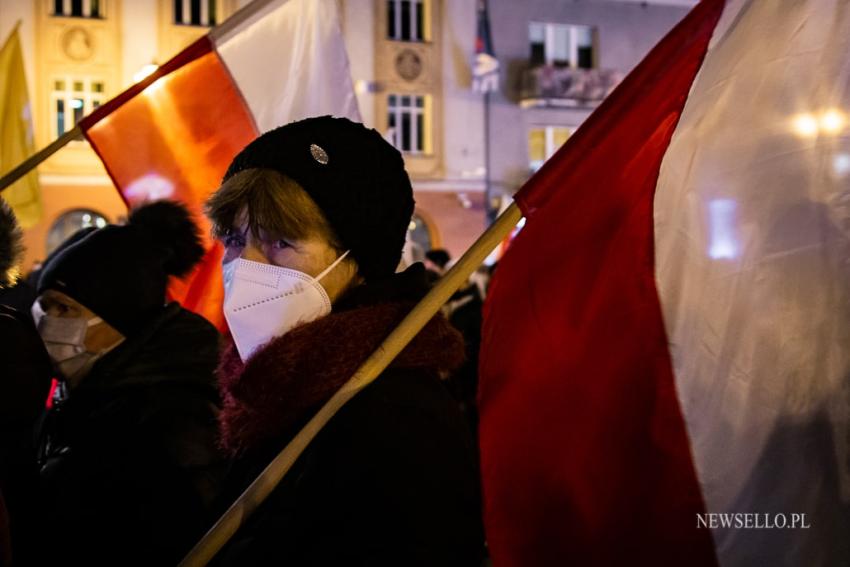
x=411 y=69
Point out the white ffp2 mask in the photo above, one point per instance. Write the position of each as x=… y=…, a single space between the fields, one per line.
x=264 y=301
x=64 y=339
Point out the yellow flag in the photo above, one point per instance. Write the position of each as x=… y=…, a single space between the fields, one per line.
x=16 y=142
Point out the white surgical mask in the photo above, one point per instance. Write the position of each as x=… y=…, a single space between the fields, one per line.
x=264 y=301
x=65 y=338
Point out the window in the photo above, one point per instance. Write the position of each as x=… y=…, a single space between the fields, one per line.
x=69 y=223
x=71 y=99
x=420 y=233
x=544 y=141
x=420 y=238
x=406 y=20
x=562 y=45
x=79 y=8
x=196 y=12
x=409 y=121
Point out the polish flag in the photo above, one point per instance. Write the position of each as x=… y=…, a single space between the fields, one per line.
x=665 y=367
x=174 y=134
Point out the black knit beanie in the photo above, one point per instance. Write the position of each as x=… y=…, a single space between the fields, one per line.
x=121 y=272
x=356 y=178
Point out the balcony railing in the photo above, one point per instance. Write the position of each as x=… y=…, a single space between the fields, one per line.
x=565 y=86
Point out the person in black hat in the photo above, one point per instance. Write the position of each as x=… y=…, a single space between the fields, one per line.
x=437 y=259
x=313 y=217
x=127 y=450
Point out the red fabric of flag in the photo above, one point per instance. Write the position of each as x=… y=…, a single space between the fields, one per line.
x=585 y=456
x=174 y=139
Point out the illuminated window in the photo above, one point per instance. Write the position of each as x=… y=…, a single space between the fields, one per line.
x=196 y=12
x=406 y=20
x=79 y=8
x=69 y=223
x=543 y=142
x=420 y=233
x=71 y=99
x=409 y=121
x=562 y=45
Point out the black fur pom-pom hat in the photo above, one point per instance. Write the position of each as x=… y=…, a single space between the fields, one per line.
x=121 y=272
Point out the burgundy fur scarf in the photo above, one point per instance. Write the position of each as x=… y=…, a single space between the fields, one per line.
x=294 y=374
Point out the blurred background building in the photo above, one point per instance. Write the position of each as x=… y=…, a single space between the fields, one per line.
x=411 y=65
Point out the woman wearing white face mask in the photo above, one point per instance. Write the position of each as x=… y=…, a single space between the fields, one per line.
x=313 y=218
x=128 y=455
x=75 y=338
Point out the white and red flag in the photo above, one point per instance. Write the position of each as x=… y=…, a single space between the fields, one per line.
x=485 y=70
x=666 y=346
x=174 y=134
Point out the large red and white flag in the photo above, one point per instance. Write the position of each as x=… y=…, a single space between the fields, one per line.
x=174 y=134
x=665 y=368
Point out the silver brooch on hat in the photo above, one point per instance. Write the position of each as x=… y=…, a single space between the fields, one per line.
x=319 y=154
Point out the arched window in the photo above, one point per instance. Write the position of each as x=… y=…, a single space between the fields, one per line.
x=420 y=233
x=69 y=223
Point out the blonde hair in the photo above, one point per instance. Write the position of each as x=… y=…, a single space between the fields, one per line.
x=11 y=245
x=273 y=202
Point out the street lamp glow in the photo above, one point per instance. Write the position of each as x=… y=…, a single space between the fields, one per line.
x=805 y=125
x=841 y=164
x=832 y=121
x=144 y=72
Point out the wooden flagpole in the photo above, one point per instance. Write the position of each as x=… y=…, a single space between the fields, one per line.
x=243 y=14
x=28 y=164
x=31 y=162
x=264 y=484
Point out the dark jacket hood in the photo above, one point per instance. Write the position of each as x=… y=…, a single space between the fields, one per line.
x=293 y=375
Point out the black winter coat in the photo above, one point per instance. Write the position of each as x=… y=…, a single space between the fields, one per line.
x=129 y=459
x=391 y=480
x=25 y=374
